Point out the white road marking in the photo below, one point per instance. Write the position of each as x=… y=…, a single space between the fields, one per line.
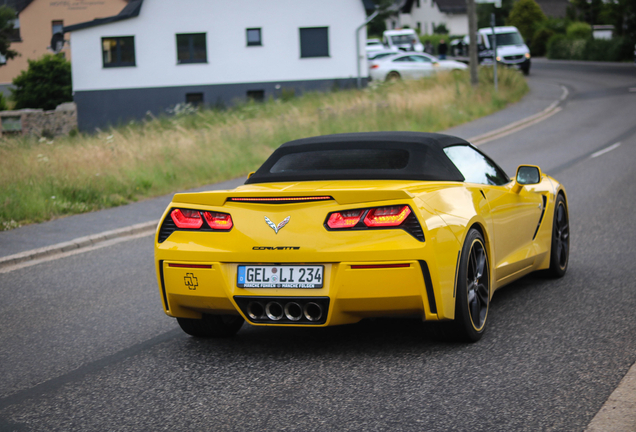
x=605 y=150
x=520 y=124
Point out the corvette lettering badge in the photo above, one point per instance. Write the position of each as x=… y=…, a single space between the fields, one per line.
x=278 y=227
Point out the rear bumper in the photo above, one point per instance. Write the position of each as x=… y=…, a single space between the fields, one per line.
x=348 y=294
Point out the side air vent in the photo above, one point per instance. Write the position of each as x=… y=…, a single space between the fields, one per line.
x=167 y=228
x=279 y=200
x=544 y=202
x=412 y=226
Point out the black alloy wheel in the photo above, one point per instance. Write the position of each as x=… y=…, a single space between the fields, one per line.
x=560 y=251
x=473 y=289
x=212 y=326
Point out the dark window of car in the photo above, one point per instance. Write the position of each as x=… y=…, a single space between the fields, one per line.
x=256 y=95
x=314 y=42
x=475 y=166
x=381 y=55
x=403 y=59
x=342 y=160
x=420 y=59
x=254 y=37
x=118 y=51
x=195 y=99
x=191 y=48
x=504 y=39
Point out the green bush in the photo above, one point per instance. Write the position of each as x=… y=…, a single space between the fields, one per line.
x=3 y=102
x=440 y=29
x=538 y=46
x=579 y=30
x=45 y=84
x=617 y=49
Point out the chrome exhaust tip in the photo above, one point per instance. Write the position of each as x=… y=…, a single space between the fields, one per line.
x=274 y=311
x=255 y=310
x=313 y=311
x=293 y=311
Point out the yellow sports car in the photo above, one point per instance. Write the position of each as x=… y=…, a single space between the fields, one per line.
x=334 y=229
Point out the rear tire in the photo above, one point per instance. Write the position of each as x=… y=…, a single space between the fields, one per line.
x=560 y=248
x=212 y=326
x=393 y=76
x=473 y=290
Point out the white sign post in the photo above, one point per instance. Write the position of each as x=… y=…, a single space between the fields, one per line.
x=497 y=4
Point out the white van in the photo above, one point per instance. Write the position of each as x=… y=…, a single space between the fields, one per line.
x=511 y=49
x=404 y=39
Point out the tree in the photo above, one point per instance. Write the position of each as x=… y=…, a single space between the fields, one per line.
x=7 y=17
x=526 y=15
x=45 y=84
x=378 y=25
x=440 y=29
x=501 y=14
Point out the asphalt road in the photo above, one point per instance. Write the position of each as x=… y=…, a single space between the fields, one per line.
x=84 y=344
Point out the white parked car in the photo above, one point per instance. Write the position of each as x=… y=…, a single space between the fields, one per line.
x=377 y=55
x=511 y=49
x=404 y=39
x=410 y=66
x=374 y=45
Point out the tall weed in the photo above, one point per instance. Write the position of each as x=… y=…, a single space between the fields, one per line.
x=44 y=179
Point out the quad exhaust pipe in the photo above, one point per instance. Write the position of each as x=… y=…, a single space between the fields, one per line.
x=293 y=310
x=313 y=311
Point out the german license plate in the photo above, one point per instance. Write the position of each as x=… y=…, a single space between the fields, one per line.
x=279 y=276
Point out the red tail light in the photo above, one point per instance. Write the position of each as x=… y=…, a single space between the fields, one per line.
x=220 y=221
x=387 y=216
x=187 y=218
x=374 y=66
x=345 y=219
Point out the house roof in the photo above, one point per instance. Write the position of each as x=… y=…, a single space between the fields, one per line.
x=445 y=6
x=16 y=5
x=131 y=10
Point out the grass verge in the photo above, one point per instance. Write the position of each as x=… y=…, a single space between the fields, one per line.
x=42 y=179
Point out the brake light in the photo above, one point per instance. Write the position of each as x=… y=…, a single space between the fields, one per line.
x=374 y=66
x=184 y=218
x=345 y=219
x=221 y=221
x=387 y=216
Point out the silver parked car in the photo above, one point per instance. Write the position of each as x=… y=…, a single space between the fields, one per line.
x=410 y=66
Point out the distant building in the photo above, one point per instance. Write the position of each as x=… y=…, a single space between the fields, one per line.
x=38 y=20
x=425 y=15
x=156 y=54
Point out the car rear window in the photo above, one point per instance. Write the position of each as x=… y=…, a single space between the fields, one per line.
x=342 y=160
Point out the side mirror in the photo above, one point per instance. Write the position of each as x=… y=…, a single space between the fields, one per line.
x=526 y=175
x=250 y=174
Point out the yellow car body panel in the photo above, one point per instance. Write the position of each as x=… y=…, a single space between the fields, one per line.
x=197 y=270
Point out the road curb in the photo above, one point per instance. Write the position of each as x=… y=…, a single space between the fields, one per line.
x=617 y=414
x=513 y=127
x=78 y=243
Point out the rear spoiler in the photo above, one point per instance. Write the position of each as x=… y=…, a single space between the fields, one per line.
x=346 y=197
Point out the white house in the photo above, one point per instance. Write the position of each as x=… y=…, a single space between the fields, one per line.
x=158 y=53
x=425 y=15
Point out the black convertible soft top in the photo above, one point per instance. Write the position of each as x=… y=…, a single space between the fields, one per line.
x=362 y=156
